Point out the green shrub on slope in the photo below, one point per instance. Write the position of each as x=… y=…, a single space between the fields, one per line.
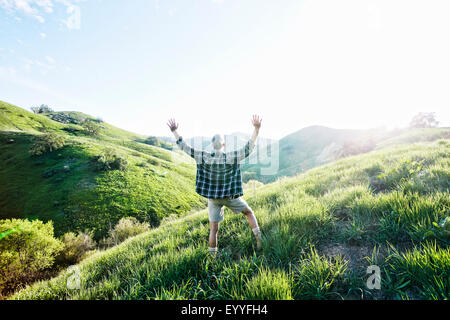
x=27 y=249
x=48 y=142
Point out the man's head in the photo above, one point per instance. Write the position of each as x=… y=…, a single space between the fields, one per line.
x=218 y=142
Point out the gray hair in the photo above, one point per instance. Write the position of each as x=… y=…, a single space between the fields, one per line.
x=217 y=142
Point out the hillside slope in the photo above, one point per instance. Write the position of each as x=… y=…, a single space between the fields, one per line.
x=322 y=230
x=317 y=145
x=13 y=118
x=65 y=185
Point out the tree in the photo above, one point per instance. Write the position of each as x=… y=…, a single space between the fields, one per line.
x=424 y=120
x=43 y=108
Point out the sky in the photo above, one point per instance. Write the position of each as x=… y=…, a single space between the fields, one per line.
x=212 y=64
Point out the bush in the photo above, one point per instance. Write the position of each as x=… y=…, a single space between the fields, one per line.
x=26 y=249
x=153 y=141
x=166 y=145
x=75 y=247
x=110 y=160
x=124 y=229
x=91 y=128
x=48 y=142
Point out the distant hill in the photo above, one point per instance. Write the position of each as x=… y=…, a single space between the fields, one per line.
x=66 y=187
x=316 y=145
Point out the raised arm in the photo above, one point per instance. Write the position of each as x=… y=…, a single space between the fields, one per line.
x=256 y=121
x=248 y=148
x=197 y=155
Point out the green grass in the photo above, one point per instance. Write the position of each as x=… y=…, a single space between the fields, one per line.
x=415 y=135
x=65 y=187
x=321 y=230
x=423 y=271
x=313 y=146
x=18 y=119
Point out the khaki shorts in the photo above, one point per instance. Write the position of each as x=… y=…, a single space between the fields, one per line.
x=216 y=207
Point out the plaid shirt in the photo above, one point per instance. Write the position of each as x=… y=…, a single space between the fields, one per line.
x=218 y=173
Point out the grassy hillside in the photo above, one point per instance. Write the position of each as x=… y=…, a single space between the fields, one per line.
x=317 y=145
x=65 y=185
x=415 y=135
x=13 y=118
x=322 y=230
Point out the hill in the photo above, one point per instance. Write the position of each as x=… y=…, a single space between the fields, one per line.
x=67 y=187
x=322 y=230
x=317 y=145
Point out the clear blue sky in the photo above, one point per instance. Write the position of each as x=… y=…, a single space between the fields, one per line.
x=211 y=64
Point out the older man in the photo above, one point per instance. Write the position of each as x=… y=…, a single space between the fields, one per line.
x=219 y=180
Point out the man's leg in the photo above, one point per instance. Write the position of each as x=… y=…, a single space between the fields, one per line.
x=216 y=212
x=254 y=225
x=213 y=230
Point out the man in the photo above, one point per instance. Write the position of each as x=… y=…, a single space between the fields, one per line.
x=219 y=180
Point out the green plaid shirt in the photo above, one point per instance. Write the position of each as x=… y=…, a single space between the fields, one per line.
x=218 y=173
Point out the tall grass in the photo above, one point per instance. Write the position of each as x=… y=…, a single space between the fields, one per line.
x=300 y=217
x=423 y=271
x=316 y=277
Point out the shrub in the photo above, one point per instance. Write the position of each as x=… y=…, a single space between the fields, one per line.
x=110 y=160
x=124 y=229
x=27 y=249
x=48 y=142
x=75 y=247
x=153 y=141
x=91 y=128
x=166 y=145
